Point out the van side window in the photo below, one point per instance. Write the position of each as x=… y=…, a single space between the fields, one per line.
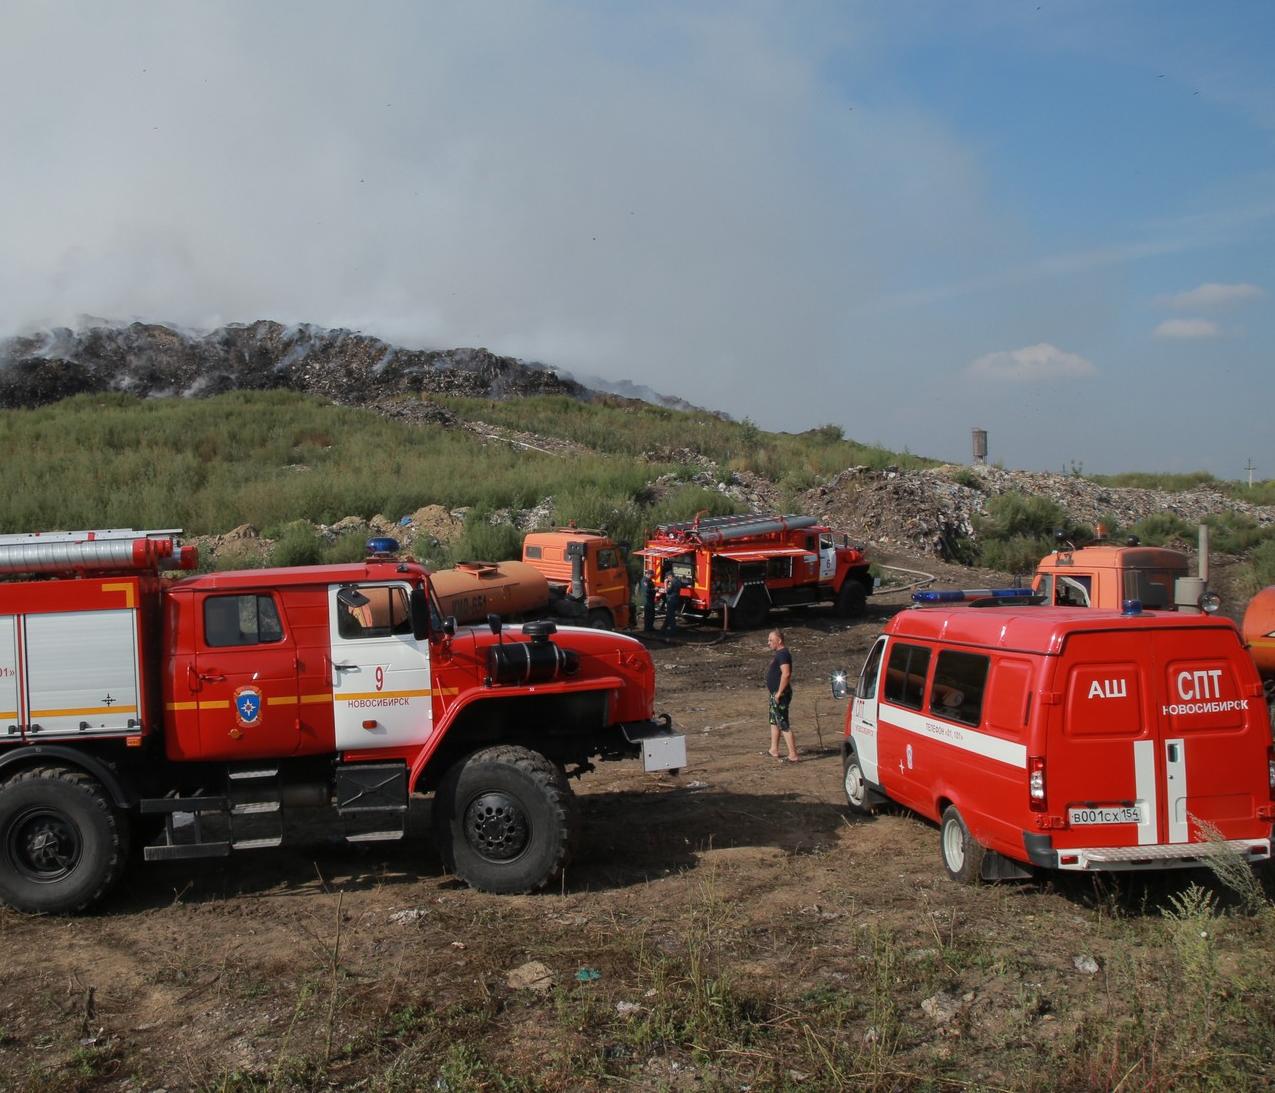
x=959 y=681
x=871 y=669
x=241 y=620
x=1045 y=588
x=905 y=675
x=533 y=552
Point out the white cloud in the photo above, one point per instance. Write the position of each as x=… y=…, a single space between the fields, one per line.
x=1187 y=328
x=1031 y=364
x=1212 y=294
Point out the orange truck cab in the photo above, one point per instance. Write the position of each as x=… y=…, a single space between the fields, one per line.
x=1106 y=576
x=587 y=567
x=1065 y=738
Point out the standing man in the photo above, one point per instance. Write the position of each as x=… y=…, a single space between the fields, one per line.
x=672 y=601
x=648 y=601
x=779 y=686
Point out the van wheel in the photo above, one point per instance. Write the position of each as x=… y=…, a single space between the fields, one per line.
x=962 y=854
x=752 y=610
x=62 y=844
x=600 y=619
x=505 y=820
x=852 y=600
x=860 y=799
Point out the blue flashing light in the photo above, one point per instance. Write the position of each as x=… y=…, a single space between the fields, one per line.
x=966 y=595
x=1131 y=607
x=381 y=546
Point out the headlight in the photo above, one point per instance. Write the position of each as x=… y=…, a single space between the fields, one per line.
x=1210 y=602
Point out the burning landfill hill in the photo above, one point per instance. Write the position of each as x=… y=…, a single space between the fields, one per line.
x=354 y=369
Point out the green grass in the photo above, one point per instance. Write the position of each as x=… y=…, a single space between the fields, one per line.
x=267 y=459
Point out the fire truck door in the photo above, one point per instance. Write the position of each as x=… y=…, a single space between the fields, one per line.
x=827 y=559
x=863 y=714
x=9 y=720
x=245 y=678
x=380 y=672
x=1104 y=772
x=1205 y=717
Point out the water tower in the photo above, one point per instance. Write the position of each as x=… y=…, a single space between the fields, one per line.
x=980 y=445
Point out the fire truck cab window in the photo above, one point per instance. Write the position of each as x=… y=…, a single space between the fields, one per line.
x=905 y=675
x=957 y=693
x=386 y=613
x=1153 y=587
x=607 y=559
x=241 y=620
x=1073 y=591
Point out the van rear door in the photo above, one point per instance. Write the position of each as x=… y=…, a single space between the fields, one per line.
x=1102 y=757
x=1213 y=736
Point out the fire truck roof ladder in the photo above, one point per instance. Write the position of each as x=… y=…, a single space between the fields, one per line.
x=720 y=528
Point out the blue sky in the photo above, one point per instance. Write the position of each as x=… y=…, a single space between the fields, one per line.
x=1054 y=221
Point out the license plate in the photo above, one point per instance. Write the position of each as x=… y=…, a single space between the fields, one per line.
x=1105 y=814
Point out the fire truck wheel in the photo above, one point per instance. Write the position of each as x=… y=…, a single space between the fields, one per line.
x=752 y=609
x=62 y=845
x=962 y=854
x=852 y=600
x=600 y=619
x=505 y=820
x=860 y=799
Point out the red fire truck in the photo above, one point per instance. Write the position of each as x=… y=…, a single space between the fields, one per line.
x=745 y=565
x=1069 y=738
x=193 y=714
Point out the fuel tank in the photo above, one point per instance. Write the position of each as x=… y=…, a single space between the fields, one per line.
x=473 y=590
x=1259 y=630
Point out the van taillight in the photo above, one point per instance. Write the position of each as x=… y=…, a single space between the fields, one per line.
x=1036 y=782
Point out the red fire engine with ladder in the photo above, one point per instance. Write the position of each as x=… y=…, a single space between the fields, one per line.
x=189 y=715
x=745 y=565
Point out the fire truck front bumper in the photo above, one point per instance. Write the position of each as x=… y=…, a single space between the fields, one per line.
x=1042 y=852
x=663 y=747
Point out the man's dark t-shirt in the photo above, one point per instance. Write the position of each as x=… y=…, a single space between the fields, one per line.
x=781 y=657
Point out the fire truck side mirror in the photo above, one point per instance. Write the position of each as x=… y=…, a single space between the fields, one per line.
x=495 y=624
x=841 y=685
x=449 y=626
x=418 y=604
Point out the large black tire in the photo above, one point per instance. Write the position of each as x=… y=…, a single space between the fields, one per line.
x=62 y=844
x=859 y=797
x=600 y=618
x=852 y=600
x=752 y=610
x=505 y=820
x=962 y=854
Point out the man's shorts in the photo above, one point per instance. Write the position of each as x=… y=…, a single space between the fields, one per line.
x=779 y=710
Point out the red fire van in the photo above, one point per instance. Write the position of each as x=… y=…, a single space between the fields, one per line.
x=1067 y=738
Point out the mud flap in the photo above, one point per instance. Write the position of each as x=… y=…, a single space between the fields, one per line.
x=998 y=867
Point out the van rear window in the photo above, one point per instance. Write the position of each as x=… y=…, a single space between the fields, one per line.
x=905 y=675
x=959 y=682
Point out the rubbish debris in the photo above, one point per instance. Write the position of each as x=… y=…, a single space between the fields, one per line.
x=588 y=975
x=531 y=976
x=408 y=916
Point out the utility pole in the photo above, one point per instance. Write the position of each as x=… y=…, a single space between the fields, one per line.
x=1250 y=468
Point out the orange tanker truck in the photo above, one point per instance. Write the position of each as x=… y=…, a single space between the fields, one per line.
x=571 y=574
